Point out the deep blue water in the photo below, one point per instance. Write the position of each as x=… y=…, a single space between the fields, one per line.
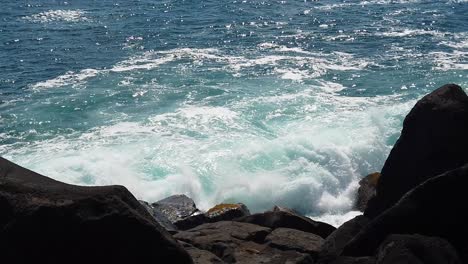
x=261 y=102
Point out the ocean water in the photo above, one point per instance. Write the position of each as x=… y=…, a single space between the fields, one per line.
x=262 y=102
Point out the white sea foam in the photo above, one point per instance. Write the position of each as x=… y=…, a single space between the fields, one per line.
x=69 y=78
x=310 y=163
x=290 y=63
x=411 y=32
x=456 y=60
x=58 y=15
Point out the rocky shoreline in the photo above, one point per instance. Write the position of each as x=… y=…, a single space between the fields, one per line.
x=413 y=212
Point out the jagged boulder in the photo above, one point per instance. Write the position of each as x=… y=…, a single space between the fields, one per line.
x=176 y=207
x=160 y=217
x=287 y=218
x=433 y=141
x=47 y=221
x=435 y=208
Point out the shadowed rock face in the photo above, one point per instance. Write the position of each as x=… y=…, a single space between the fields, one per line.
x=46 y=221
x=433 y=140
x=367 y=190
x=336 y=241
x=435 y=208
x=416 y=249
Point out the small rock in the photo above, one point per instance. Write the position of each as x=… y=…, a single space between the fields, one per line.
x=284 y=217
x=367 y=190
x=176 y=207
x=223 y=212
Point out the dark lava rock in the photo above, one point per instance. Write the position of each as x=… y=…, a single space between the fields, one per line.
x=351 y=260
x=221 y=212
x=46 y=221
x=292 y=239
x=236 y=242
x=159 y=217
x=176 y=207
x=367 y=190
x=200 y=256
x=288 y=219
x=416 y=249
x=435 y=208
x=433 y=141
x=336 y=241
x=192 y=221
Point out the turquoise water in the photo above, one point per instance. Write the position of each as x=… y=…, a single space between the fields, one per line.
x=261 y=102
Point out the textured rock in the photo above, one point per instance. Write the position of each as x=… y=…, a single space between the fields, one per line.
x=433 y=141
x=176 y=207
x=416 y=249
x=434 y=208
x=292 y=239
x=220 y=212
x=236 y=242
x=288 y=219
x=223 y=212
x=367 y=190
x=159 y=217
x=200 y=256
x=46 y=221
x=336 y=241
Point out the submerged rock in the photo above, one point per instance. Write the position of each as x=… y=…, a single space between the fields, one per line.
x=433 y=141
x=283 y=217
x=367 y=190
x=416 y=249
x=47 y=221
